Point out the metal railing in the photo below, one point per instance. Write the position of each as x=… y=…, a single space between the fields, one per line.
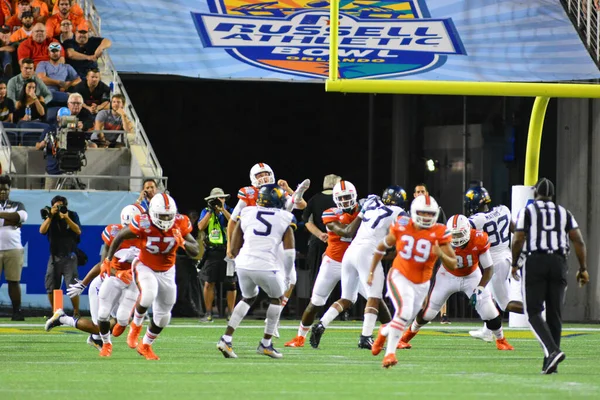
x=584 y=15
x=87 y=178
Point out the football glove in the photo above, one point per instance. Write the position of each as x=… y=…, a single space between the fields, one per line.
x=75 y=289
x=178 y=238
x=125 y=276
x=105 y=269
x=476 y=296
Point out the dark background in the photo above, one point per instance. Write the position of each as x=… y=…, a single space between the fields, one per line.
x=210 y=133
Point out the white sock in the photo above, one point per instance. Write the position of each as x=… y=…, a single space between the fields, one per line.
x=149 y=337
x=265 y=342
x=415 y=327
x=384 y=330
x=96 y=337
x=395 y=333
x=369 y=321
x=238 y=314
x=329 y=316
x=105 y=338
x=303 y=330
x=284 y=301
x=498 y=333
x=66 y=320
x=138 y=318
x=227 y=338
x=273 y=313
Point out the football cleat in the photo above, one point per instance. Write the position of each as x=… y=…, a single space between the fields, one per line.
x=485 y=335
x=407 y=336
x=268 y=351
x=133 y=335
x=226 y=348
x=95 y=343
x=302 y=187
x=445 y=320
x=389 y=360
x=54 y=320
x=378 y=343
x=118 y=330
x=317 y=331
x=365 y=342
x=207 y=318
x=106 y=350
x=146 y=351
x=551 y=362
x=403 y=346
x=17 y=316
x=298 y=341
x=502 y=344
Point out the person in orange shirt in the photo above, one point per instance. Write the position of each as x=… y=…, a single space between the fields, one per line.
x=65 y=13
x=26 y=28
x=36 y=47
x=13 y=20
x=472 y=249
x=419 y=241
x=40 y=10
x=75 y=8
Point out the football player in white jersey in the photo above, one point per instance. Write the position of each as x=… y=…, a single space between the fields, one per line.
x=377 y=217
x=255 y=242
x=498 y=224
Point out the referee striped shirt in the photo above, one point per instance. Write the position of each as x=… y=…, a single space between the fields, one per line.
x=546 y=226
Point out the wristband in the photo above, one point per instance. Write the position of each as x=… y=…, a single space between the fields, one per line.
x=378 y=252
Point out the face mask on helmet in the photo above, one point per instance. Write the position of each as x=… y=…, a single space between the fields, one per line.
x=394 y=196
x=424 y=211
x=162 y=211
x=271 y=195
x=128 y=213
x=344 y=195
x=460 y=229
x=261 y=174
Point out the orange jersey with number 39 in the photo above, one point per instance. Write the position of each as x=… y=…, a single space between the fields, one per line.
x=337 y=245
x=157 y=247
x=108 y=235
x=468 y=255
x=415 y=258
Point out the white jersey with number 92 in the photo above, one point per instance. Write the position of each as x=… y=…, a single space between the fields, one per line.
x=496 y=223
x=263 y=233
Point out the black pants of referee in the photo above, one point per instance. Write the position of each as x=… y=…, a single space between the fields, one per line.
x=545 y=280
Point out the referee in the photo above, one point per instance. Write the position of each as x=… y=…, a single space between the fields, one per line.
x=543 y=230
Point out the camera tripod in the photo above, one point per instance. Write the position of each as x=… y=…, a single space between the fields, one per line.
x=70 y=182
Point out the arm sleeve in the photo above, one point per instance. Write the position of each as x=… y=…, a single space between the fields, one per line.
x=485 y=259
x=520 y=223
x=571 y=223
x=288 y=261
x=238 y=209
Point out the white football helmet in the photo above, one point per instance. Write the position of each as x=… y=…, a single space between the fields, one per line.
x=460 y=229
x=162 y=211
x=424 y=204
x=265 y=180
x=128 y=212
x=344 y=195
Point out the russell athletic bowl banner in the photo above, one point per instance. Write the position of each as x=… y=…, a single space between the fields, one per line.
x=485 y=40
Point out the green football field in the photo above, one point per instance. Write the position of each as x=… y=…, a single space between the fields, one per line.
x=443 y=363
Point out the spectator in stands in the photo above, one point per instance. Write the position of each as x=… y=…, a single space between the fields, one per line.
x=149 y=189
x=28 y=99
x=7 y=106
x=96 y=94
x=14 y=22
x=25 y=30
x=40 y=10
x=36 y=47
x=66 y=32
x=75 y=104
x=6 y=50
x=16 y=83
x=83 y=52
x=112 y=120
x=13 y=215
x=312 y=217
x=53 y=25
x=57 y=76
x=75 y=8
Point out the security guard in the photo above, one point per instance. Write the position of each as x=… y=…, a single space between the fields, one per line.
x=543 y=231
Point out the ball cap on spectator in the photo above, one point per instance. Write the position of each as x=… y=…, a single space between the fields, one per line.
x=54 y=46
x=83 y=27
x=27 y=14
x=216 y=193
x=544 y=187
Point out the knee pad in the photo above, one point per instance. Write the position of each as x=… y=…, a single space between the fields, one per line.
x=161 y=320
x=103 y=313
x=431 y=311
x=317 y=300
x=147 y=298
x=486 y=309
x=123 y=316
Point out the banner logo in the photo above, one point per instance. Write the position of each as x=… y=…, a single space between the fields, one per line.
x=386 y=38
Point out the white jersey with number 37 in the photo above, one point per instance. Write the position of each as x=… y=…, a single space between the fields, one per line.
x=496 y=223
x=375 y=225
x=263 y=233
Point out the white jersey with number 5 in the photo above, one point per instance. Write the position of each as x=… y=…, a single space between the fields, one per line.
x=496 y=223
x=263 y=233
x=375 y=225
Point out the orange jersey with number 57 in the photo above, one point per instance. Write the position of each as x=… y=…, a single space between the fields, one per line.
x=337 y=245
x=415 y=258
x=157 y=247
x=468 y=255
x=108 y=235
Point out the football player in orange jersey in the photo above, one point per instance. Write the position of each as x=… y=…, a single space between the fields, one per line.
x=472 y=249
x=419 y=241
x=160 y=232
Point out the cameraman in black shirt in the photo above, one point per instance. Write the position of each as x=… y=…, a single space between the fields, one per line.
x=63 y=229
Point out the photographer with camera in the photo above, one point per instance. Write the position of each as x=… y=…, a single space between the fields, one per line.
x=149 y=189
x=12 y=216
x=213 y=267
x=63 y=229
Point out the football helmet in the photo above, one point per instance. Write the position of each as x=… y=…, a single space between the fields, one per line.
x=271 y=195
x=128 y=213
x=344 y=195
x=475 y=198
x=459 y=227
x=394 y=195
x=427 y=205
x=163 y=211
x=264 y=180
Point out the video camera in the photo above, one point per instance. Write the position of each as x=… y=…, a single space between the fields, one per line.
x=70 y=145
